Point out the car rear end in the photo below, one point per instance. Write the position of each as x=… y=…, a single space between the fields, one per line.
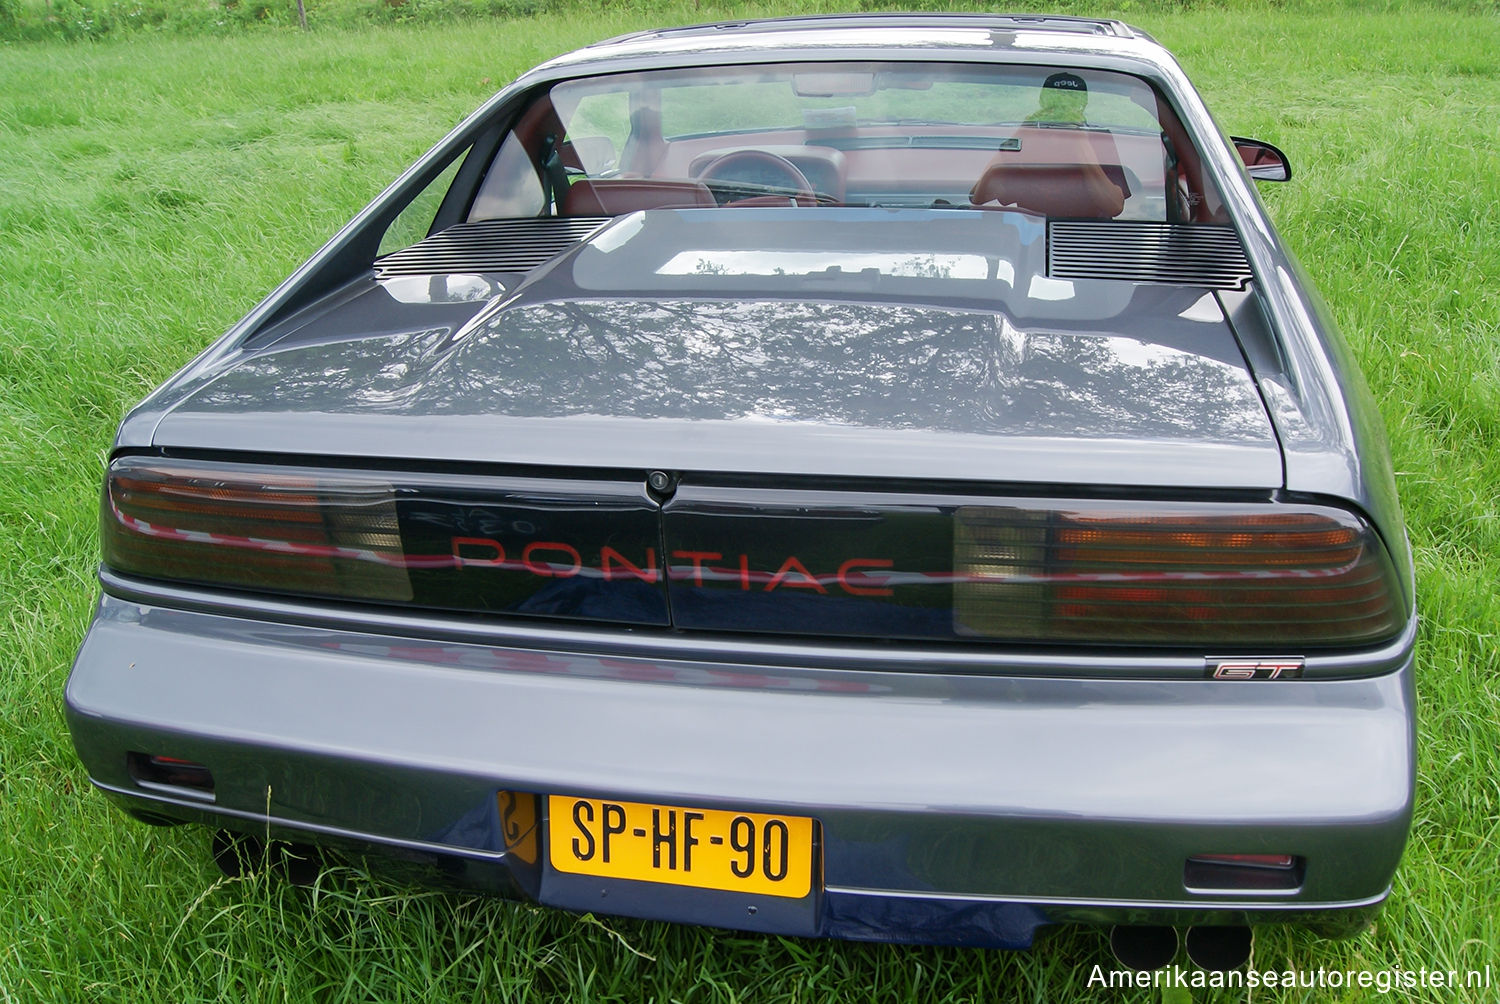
x=977 y=588
x=895 y=710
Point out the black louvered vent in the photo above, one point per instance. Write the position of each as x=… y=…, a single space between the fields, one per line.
x=490 y=246
x=1187 y=254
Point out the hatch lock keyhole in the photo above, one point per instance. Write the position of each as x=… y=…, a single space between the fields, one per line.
x=661 y=484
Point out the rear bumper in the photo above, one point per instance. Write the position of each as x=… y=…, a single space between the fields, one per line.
x=964 y=809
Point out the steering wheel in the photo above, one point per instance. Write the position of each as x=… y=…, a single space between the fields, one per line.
x=752 y=167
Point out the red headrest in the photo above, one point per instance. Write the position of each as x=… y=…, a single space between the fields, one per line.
x=1062 y=190
x=618 y=196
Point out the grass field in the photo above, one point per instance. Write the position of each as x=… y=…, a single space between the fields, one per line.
x=153 y=188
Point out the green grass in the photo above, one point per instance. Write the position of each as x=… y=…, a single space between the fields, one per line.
x=152 y=188
x=88 y=19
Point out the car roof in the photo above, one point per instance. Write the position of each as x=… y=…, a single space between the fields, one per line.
x=806 y=22
x=875 y=36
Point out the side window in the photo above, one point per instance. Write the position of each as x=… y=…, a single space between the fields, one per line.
x=511 y=188
x=415 y=221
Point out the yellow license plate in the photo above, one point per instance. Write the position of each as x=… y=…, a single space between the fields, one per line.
x=707 y=848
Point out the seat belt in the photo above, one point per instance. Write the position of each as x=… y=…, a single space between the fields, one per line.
x=554 y=175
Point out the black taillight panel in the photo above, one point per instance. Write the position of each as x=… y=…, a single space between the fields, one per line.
x=540 y=547
x=1029 y=570
x=1219 y=576
x=832 y=563
x=580 y=549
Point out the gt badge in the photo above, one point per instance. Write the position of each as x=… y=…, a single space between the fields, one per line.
x=1287 y=668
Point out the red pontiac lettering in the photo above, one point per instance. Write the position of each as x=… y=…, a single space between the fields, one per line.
x=547 y=570
x=697 y=558
x=460 y=559
x=609 y=557
x=790 y=565
x=855 y=576
x=856 y=563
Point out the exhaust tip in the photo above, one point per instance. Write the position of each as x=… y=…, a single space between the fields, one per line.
x=1219 y=949
x=1143 y=947
x=298 y=864
x=238 y=854
x=235 y=853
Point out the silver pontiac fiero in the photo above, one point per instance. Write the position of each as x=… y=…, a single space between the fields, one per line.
x=875 y=477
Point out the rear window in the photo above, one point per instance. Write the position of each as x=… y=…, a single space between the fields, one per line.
x=915 y=96
x=1054 y=141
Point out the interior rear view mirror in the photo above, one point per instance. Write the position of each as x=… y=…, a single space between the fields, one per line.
x=853 y=83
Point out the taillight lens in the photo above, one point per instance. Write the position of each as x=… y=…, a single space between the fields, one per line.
x=1213 y=576
x=255 y=527
x=1173 y=573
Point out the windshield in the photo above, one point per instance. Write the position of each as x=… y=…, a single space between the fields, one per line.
x=1053 y=141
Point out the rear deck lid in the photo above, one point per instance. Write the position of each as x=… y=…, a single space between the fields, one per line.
x=862 y=343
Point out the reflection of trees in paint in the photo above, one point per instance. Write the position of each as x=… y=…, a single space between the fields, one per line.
x=875 y=365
